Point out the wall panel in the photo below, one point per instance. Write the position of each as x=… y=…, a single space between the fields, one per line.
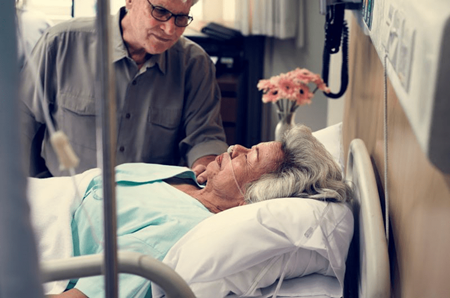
x=419 y=194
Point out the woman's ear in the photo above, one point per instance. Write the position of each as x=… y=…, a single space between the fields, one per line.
x=128 y=4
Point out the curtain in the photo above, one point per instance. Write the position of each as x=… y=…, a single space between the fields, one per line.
x=281 y=19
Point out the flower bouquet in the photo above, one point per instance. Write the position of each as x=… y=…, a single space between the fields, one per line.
x=288 y=91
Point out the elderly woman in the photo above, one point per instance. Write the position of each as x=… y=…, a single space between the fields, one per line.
x=158 y=204
x=299 y=166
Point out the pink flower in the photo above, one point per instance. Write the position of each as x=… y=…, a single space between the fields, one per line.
x=287 y=88
x=292 y=86
x=304 y=102
x=303 y=95
x=323 y=87
x=270 y=96
x=302 y=75
x=264 y=85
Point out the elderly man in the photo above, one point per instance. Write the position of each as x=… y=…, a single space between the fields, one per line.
x=167 y=96
x=158 y=204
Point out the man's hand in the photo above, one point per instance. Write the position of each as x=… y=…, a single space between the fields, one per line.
x=199 y=167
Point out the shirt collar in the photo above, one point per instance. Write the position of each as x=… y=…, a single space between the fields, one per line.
x=159 y=60
x=120 y=49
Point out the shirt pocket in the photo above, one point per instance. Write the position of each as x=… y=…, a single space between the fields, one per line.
x=164 y=126
x=76 y=117
x=165 y=118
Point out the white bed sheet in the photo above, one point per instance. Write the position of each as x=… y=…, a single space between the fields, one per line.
x=311 y=286
x=52 y=203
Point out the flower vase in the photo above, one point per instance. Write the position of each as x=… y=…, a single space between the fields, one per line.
x=286 y=122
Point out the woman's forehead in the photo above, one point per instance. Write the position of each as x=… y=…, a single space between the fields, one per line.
x=270 y=147
x=269 y=153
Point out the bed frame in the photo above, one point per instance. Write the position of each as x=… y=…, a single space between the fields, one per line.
x=418 y=193
x=367 y=272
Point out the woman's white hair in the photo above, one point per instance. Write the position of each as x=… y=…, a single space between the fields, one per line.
x=307 y=171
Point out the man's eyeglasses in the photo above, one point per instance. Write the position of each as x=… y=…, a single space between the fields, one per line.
x=163 y=15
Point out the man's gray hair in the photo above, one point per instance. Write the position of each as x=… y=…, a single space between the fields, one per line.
x=193 y=1
x=307 y=171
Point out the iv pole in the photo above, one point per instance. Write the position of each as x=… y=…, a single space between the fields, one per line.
x=106 y=144
x=19 y=270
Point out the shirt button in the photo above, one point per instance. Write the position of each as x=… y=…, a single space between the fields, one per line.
x=128 y=116
x=122 y=149
x=134 y=82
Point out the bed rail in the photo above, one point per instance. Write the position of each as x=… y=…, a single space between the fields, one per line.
x=128 y=262
x=368 y=259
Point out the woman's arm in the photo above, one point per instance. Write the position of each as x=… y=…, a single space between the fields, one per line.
x=72 y=293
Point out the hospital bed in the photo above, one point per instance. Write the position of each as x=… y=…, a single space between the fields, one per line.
x=368 y=263
x=265 y=260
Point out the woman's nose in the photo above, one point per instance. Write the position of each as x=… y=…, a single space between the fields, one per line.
x=238 y=150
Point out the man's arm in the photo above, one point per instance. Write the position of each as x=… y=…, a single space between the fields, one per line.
x=31 y=109
x=199 y=167
x=204 y=133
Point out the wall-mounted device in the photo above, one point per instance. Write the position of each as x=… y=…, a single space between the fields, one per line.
x=413 y=37
x=336 y=34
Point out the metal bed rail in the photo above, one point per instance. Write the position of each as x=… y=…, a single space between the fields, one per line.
x=128 y=262
x=368 y=272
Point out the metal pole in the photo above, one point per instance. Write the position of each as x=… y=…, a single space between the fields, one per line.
x=106 y=143
x=19 y=271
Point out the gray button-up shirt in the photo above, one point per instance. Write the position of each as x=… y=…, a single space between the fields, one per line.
x=168 y=111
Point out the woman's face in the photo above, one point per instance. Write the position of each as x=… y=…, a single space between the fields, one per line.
x=149 y=34
x=248 y=165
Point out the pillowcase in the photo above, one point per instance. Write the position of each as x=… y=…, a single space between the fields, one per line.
x=242 y=250
x=331 y=138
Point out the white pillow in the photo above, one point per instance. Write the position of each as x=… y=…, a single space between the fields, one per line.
x=331 y=138
x=244 y=249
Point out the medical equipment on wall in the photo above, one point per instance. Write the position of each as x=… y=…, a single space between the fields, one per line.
x=336 y=34
x=414 y=39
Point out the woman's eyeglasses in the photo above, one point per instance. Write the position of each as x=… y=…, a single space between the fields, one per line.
x=163 y=15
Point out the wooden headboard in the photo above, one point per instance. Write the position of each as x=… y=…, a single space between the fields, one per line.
x=419 y=194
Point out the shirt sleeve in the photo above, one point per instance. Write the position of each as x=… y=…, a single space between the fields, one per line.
x=203 y=124
x=39 y=70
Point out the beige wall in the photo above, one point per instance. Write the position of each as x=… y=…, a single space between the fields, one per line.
x=419 y=195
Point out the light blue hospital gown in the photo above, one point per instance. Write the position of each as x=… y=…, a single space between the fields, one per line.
x=151 y=217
